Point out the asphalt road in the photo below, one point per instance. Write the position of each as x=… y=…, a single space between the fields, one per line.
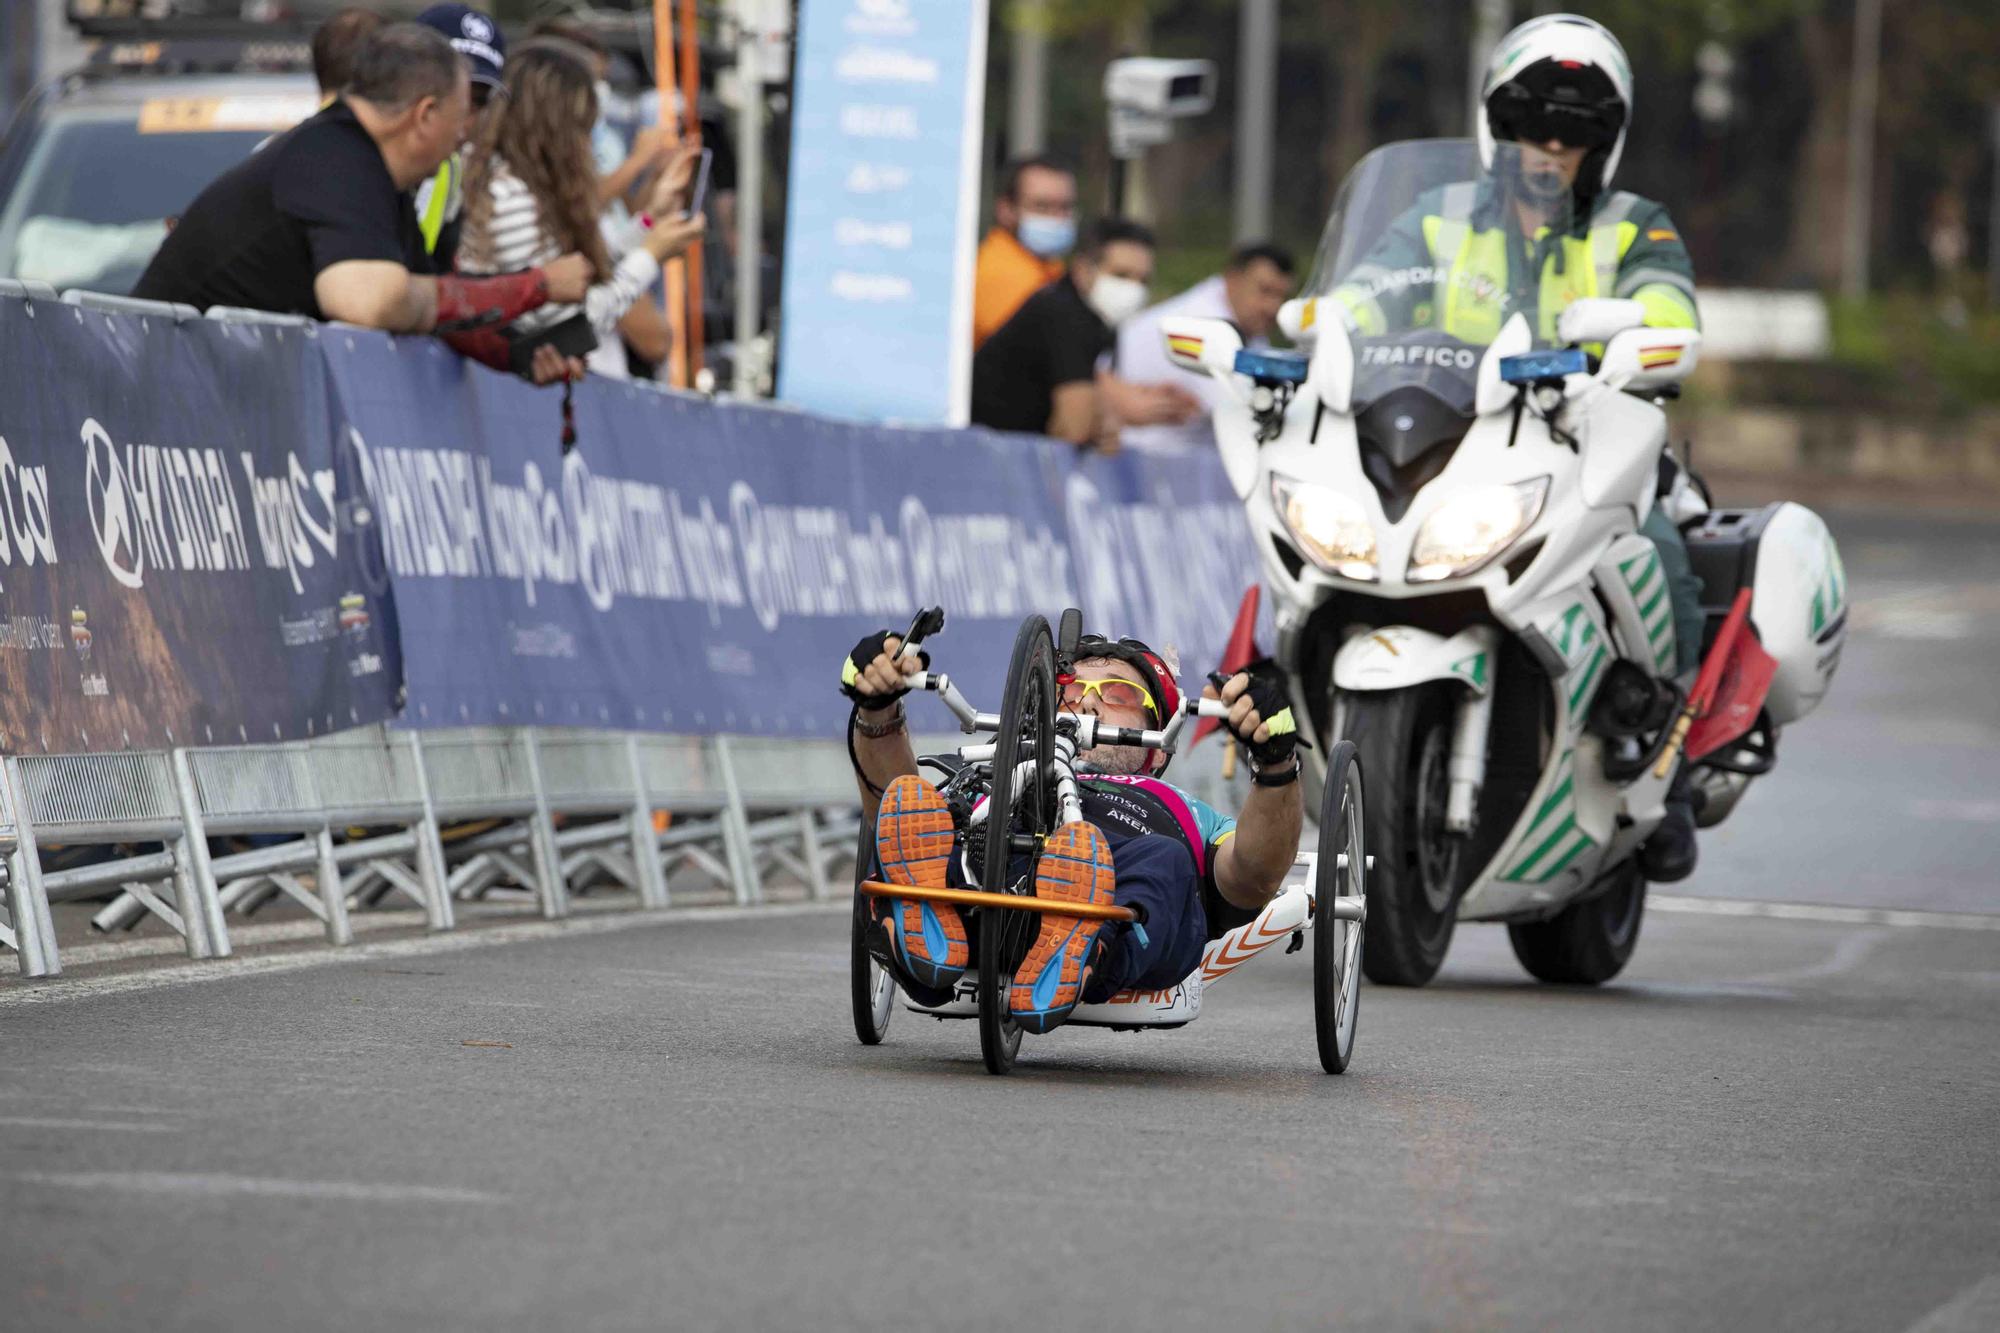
x=1766 y=1122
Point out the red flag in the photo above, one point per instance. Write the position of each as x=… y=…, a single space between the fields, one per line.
x=1240 y=651
x=1739 y=697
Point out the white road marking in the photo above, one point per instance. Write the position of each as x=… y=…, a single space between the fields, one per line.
x=62 y=1122
x=216 y=1186
x=58 y=989
x=1975 y=1308
x=1840 y=916
x=1972 y=812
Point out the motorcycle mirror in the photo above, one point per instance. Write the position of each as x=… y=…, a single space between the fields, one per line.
x=1202 y=346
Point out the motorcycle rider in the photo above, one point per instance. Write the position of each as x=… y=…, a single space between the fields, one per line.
x=1543 y=229
x=1142 y=843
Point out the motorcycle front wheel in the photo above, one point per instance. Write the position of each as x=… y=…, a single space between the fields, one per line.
x=1404 y=739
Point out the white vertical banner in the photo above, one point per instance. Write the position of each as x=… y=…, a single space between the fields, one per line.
x=883 y=209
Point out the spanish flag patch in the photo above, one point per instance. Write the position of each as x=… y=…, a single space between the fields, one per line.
x=1662 y=234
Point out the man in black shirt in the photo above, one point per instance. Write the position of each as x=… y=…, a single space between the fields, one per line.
x=319 y=221
x=1039 y=371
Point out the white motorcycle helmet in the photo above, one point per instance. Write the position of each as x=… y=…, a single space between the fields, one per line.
x=1559 y=77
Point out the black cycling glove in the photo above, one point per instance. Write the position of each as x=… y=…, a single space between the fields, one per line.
x=1269 y=696
x=857 y=661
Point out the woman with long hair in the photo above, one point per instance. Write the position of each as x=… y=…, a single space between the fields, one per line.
x=531 y=194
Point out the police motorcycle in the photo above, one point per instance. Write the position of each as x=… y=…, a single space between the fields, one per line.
x=1449 y=531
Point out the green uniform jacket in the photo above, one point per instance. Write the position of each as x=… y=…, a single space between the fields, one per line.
x=1458 y=262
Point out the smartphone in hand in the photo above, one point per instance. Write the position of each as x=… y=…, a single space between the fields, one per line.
x=700 y=195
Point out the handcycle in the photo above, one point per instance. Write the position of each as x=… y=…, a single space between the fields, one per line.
x=1003 y=825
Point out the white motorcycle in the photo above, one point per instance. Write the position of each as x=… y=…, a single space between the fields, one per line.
x=1450 y=533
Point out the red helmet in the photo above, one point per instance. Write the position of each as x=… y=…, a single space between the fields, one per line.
x=1152 y=668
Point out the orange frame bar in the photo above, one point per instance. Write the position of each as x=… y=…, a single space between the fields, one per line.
x=1012 y=902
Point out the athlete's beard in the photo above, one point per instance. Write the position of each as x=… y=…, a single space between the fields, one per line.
x=1115 y=760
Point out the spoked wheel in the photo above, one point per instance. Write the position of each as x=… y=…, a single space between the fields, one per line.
x=869 y=984
x=1020 y=813
x=1588 y=942
x=1342 y=874
x=1404 y=741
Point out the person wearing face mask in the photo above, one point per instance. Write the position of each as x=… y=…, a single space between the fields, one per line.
x=1034 y=227
x=1252 y=285
x=1043 y=371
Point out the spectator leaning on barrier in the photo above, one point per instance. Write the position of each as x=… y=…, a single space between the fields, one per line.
x=441 y=199
x=334 y=45
x=319 y=223
x=1042 y=371
x=532 y=194
x=644 y=328
x=1252 y=285
x=1034 y=226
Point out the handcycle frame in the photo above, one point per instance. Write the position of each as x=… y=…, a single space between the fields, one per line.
x=1042 y=769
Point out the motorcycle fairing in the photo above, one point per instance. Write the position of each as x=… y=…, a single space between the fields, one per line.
x=1396 y=657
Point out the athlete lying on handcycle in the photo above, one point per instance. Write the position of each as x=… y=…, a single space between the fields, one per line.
x=1191 y=872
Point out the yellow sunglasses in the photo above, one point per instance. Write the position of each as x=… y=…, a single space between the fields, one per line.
x=1113 y=690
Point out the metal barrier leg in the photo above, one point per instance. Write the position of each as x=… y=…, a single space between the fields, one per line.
x=542 y=840
x=34 y=928
x=332 y=894
x=815 y=858
x=200 y=907
x=646 y=860
x=736 y=830
x=430 y=846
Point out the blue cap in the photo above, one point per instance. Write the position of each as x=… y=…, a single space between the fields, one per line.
x=473 y=35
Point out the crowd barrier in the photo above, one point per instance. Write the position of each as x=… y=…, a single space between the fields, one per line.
x=264 y=577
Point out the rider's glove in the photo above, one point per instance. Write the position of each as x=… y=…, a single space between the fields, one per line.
x=1271 y=700
x=857 y=661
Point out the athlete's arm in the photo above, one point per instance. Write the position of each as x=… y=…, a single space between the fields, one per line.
x=881 y=759
x=1250 y=867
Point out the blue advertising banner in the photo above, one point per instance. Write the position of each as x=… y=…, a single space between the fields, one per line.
x=884 y=186
x=701 y=567
x=174 y=567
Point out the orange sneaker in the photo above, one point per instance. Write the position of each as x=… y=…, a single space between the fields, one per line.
x=913 y=840
x=1075 y=866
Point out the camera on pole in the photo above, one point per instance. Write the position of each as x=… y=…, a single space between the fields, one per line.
x=1146 y=95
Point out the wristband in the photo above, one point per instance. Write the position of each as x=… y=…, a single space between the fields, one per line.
x=1284 y=779
x=875 y=731
x=646 y=221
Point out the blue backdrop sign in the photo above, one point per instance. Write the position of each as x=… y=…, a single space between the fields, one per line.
x=883 y=198
x=214 y=533
x=175 y=565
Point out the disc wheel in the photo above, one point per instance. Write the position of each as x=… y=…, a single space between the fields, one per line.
x=1342 y=872
x=1020 y=813
x=1403 y=738
x=1588 y=942
x=870 y=985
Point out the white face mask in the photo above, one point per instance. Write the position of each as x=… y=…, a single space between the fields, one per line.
x=1117 y=299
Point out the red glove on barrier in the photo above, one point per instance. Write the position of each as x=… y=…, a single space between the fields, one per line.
x=471 y=310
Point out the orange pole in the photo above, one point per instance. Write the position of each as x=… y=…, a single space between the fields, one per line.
x=1013 y=902
x=690 y=81
x=665 y=67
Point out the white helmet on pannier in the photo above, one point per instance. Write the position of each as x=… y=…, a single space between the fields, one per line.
x=1559 y=77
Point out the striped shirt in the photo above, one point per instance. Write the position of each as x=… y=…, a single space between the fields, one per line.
x=514 y=238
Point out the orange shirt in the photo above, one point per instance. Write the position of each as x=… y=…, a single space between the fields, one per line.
x=1007 y=274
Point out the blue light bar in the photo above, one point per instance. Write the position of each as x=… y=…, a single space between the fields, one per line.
x=1549 y=365
x=1282 y=367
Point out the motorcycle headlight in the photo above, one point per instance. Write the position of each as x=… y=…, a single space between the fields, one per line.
x=1470 y=529
x=1332 y=529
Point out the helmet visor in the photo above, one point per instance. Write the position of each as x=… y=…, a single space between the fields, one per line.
x=1535 y=121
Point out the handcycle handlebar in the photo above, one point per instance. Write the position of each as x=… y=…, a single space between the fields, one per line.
x=1087 y=730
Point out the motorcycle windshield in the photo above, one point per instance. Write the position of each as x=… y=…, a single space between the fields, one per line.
x=1430 y=252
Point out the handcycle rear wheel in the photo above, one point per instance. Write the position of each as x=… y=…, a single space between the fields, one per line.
x=870 y=986
x=1015 y=822
x=1337 y=943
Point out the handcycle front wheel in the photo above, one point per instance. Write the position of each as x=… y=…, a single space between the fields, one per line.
x=871 y=988
x=1015 y=819
x=1340 y=872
